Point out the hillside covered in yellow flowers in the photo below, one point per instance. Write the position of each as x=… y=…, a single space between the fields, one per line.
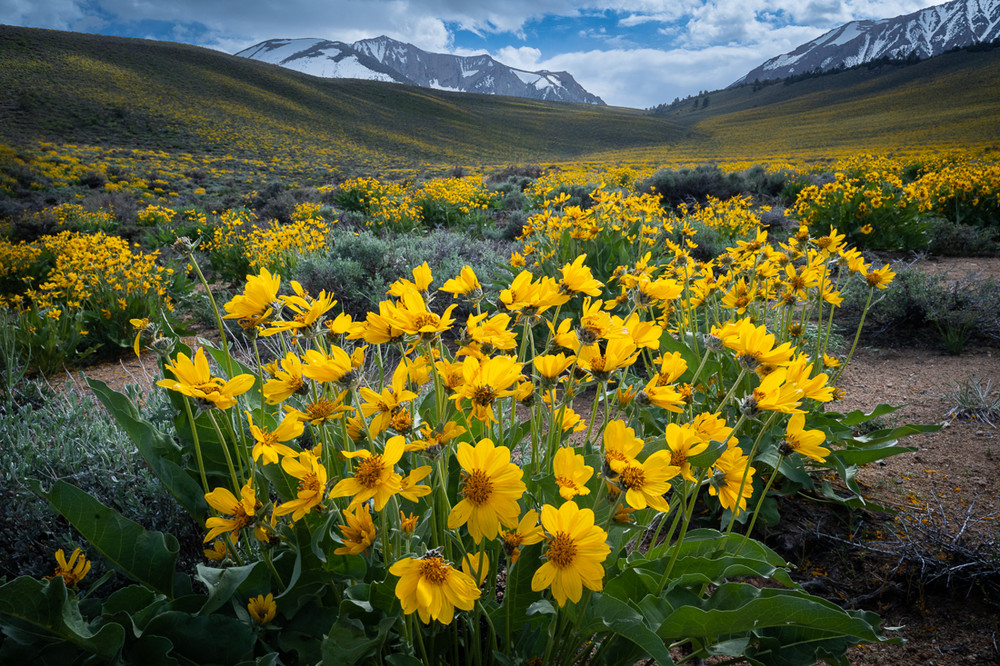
x=71 y=88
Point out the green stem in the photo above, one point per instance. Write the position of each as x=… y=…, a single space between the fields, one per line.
x=688 y=511
x=588 y=448
x=819 y=316
x=229 y=457
x=420 y=639
x=260 y=375
x=673 y=524
x=746 y=471
x=218 y=317
x=736 y=385
x=760 y=502
x=197 y=444
x=857 y=334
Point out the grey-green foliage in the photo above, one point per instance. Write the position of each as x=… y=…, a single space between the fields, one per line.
x=68 y=436
x=974 y=398
x=919 y=305
x=359 y=267
x=963 y=240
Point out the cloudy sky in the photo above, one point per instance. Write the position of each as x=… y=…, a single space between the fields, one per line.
x=635 y=53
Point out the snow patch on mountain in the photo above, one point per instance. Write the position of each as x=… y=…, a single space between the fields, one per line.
x=385 y=59
x=924 y=33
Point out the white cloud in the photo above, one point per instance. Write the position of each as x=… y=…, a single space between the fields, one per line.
x=524 y=57
x=642 y=78
x=53 y=14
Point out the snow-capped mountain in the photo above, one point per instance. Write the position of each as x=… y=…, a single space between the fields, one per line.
x=924 y=33
x=385 y=59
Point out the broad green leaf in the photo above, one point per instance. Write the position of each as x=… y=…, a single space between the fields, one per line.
x=670 y=344
x=692 y=571
x=145 y=557
x=204 y=639
x=892 y=434
x=134 y=605
x=150 y=650
x=859 y=416
x=866 y=456
x=300 y=634
x=736 y=608
x=222 y=584
x=47 y=607
x=631 y=583
x=348 y=643
x=269 y=659
x=709 y=455
x=626 y=622
x=158 y=449
x=793 y=469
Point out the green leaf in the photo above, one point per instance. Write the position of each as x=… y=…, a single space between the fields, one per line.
x=283 y=483
x=348 y=642
x=866 y=456
x=607 y=612
x=269 y=659
x=708 y=457
x=150 y=650
x=300 y=634
x=145 y=557
x=892 y=434
x=222 y=584
x=158 y=449
x=204 y=639
x=697 y=571
x=670 y=344
x=542 y=606
x=858 y=416
x=736 y=608
x=46 y=606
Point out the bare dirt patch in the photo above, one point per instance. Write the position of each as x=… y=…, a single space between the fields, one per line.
x=946 y=493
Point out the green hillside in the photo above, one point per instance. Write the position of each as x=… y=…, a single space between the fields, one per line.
x=953 y=99
x=66 y=87
x=60 y=86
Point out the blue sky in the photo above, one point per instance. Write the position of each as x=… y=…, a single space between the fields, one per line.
x=638 y=53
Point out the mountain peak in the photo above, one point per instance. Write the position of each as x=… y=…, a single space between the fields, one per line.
x=385 y=59
x=925 y=33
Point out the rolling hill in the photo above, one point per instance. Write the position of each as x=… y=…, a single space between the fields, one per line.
x=71 y=87
x=66 y=87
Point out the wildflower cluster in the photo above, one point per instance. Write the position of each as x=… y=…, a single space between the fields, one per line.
x=518 y=480
x=72 y=288
x=403 y=206
x=382 y=203
x=445 y=456
x=735 y=216
x=966 y=191
x=871 y=207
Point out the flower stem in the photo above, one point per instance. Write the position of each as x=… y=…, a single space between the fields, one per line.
x=218 y=317
x=760 y=502
x=857 y=335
